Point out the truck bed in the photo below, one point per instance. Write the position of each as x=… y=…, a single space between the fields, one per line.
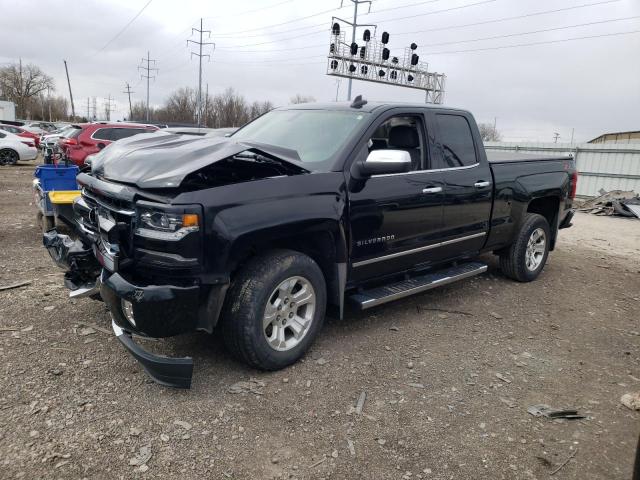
x=507 y=156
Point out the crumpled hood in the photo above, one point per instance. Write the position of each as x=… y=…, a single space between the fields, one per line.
x=161 y=160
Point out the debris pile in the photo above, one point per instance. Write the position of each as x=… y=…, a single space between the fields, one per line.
x=615 y=202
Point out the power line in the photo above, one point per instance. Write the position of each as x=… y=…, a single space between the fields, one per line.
x=546 y=42
x=314 y=15
x=250 y=64
x=434 y=12
x=467 y=41
x=200 y=55
x=451 y=27
x=324 y=12
x=515 y=17
x=531 y=32
x=125 y=27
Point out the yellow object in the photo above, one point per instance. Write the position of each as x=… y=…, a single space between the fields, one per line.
x=190 y=220
x=63 y=197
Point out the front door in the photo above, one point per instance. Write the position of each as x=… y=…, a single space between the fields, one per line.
x=396 y=217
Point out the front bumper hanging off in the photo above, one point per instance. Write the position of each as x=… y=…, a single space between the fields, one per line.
x=172 y=372
x=85 y=277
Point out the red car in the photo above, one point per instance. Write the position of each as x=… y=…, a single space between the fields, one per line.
x=93 y=137
x=21 y=132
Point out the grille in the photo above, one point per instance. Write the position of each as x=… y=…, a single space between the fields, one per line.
x=122 y=212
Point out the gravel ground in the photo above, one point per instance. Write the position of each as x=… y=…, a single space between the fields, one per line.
x=446 y=378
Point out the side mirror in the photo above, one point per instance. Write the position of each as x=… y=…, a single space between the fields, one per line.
x=381 y=162
x=100 y=146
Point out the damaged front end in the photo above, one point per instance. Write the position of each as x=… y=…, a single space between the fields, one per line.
x=142 y=240
x=82 y=274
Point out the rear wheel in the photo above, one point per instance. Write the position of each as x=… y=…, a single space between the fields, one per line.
x=8 y=157
x=275 y=308
x=526 y=257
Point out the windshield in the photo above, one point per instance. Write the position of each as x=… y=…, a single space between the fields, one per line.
x=315 y=134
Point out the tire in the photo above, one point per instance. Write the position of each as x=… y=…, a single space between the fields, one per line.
x=8 y=157
x=254 y=295
x=516 y=261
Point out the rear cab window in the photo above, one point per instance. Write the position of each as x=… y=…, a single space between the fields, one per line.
x=455 y=141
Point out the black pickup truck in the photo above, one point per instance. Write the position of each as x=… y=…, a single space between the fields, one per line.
x=307 y=207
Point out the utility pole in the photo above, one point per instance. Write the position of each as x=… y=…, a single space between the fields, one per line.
x=148 y=68
x=200 y=55
x=206 y=105
x=94 y=109
x=129 y=92
x=353 y=33
x=495 y=120
x=107 y=107
x=73 y=109
x=556 y=135
x=49 y=102
x=572 y=132
x=88 y=112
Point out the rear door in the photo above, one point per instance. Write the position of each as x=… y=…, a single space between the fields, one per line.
x=395 y=218
x=468 y=188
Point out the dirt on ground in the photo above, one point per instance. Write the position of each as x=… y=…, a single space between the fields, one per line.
x=435 y=386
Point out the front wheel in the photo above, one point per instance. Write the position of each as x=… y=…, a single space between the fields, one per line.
x=275 y=308
x=525 y=258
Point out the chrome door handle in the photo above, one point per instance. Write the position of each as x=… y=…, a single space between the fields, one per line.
x=482 y=184
x=432 y=190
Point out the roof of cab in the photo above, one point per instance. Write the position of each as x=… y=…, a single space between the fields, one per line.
x=367 y=107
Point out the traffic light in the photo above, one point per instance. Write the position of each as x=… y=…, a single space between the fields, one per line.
x=414 y=59
x=385 y=53
x=367 y=35
x=354 y=48
x=385 y=37
x=335 y=29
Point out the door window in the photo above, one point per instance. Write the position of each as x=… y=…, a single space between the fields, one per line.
x=401 y=133
x=456 y=141
x=120 y=133
x=103 y=134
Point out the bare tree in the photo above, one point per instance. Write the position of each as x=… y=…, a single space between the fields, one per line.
x=297 y=98
x=20 y=84
x=180 y=106
x=489 y=133
x=40 y=107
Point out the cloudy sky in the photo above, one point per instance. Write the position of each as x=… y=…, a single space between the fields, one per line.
x=273 y=49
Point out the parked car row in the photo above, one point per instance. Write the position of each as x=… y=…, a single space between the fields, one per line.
x=14 y=148
x=74 y=142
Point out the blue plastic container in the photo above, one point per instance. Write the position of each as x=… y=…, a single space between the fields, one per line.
x=53 y=178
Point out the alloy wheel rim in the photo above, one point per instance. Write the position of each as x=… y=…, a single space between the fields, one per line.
x=536 y=246
x=289 y=313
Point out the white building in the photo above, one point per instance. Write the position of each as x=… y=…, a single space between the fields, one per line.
x=7 y=110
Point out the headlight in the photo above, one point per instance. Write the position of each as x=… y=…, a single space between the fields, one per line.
x=164 y=225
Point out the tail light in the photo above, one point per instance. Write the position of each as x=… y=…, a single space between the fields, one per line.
x=70 y=141
x=574 y=184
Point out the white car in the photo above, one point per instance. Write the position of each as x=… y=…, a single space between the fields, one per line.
x=14 y=148
x=50 y=140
